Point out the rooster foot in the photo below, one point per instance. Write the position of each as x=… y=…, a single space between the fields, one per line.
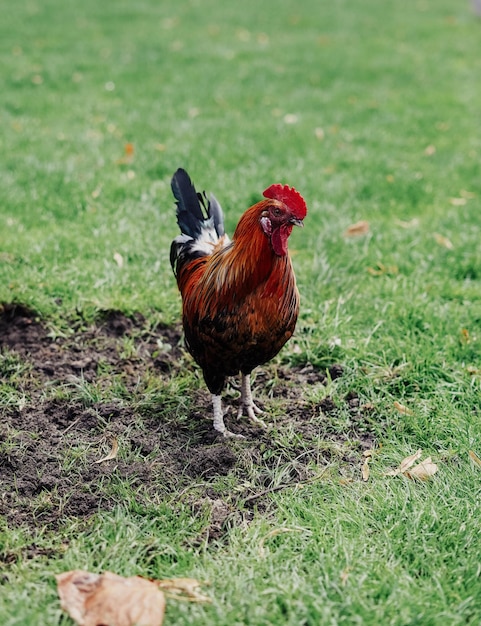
x=252 y=412
x=248 y=404
x=219 y=425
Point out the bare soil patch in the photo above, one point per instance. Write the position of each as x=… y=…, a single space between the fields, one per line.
x=51 y=439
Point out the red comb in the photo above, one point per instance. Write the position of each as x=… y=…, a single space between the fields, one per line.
x=289 y=196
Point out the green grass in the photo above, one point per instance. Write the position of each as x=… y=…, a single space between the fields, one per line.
x=343 y=100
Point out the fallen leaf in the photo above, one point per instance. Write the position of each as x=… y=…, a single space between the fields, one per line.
x=291 y=118
x=402 y=408
x=345 y=576
x=357 y=229
x=95 y=599
x=118 y=258
x=465 y=338
x=183 y=589
x=112 y=454
x=365 y=469
x=381 y=269
x=408 y=224
x=443 y=241
x=393 y=472
x=128 y=154
x=409 y=461
x=405 y=464
x=475 y=458
x=423 y=470
x=458 y=201
x=430 y=150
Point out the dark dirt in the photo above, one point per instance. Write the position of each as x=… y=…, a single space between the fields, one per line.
x=52 y=438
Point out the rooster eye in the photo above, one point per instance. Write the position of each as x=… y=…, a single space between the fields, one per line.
x=276 y=212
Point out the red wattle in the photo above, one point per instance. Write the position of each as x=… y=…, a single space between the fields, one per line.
x=279 y=239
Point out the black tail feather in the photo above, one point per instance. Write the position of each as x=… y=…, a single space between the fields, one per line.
x=215 y=211
x=200 y=220
x=189 y=211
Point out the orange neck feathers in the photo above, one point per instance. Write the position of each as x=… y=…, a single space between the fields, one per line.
x=228 y=275
x=252 y=246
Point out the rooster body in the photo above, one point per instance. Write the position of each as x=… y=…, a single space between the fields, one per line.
x=240 y=300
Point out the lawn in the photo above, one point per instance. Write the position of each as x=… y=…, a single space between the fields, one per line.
x=371 y=110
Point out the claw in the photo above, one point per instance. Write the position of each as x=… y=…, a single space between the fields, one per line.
x=230 y=435
x=248 y=404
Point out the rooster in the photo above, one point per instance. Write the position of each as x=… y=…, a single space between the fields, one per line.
x=239 y=298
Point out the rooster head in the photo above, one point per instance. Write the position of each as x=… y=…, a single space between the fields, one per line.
x=277 y=219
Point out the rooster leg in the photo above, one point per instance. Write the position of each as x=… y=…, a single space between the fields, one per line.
x=247 y=402
x=219 y=418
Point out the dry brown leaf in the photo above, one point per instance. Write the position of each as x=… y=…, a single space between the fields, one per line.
x=423 y=470
x=458 y=201
x=408 y=224
x=475 y=458
x=345 y=576
x=128 y=154
x=96 y=599
x=357 y=229
x=402 y=408
x=430 y=150
x=112 y=454
x=393 y=472
x=183 y=589
x=381 y=269
x=409 y=461
x=443 y=241
x=405 y=464
x=365 y=469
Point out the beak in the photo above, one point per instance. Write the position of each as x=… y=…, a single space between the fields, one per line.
x=296 y=222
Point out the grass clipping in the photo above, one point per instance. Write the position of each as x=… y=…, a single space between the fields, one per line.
x=96 y=599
